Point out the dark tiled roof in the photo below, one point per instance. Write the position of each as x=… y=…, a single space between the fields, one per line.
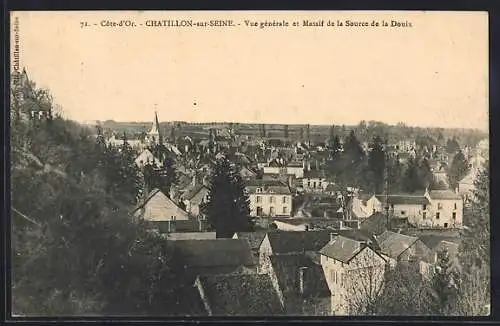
x=214 y=253
x=240 y=295
x=297 y=241
x=190 y=192
x=432 y=241
x=444 y=195
x=394 y=244
x=375 y=224
x=404 y=199
x=253 y=238
x=268 y=187
x=342 y=249
x=287 y=270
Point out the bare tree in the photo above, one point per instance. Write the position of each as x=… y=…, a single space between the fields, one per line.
x=364 y=283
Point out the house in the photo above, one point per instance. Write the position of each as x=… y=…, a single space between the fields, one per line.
x=246 y=173
x=194 y=197
x=413 y=207
x=354 y=273
x=301 y=284
x=431 y=209
x=281 y=243
x=214 y=256
x=254 y=240
x=158 y=207
x=446 y=208
x=400 y=248
x=269 y=198
x=145 y=158
x=314 y=180
x=239 y=295
x=280 y=167
x=437 y=243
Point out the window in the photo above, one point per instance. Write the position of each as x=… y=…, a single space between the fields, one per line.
x=454 y=215
x=259 y=211
x=455 y=206
x=284 y=199
x=259 y=199
x=308 y=183
x=437 y=216
x=445 y=225
x=392 y=206
x=425 y=207
x=403 y=212
x=424 y=215
x=258 y=190
x=271 y=199
x=374 y=211
x=440 y=206
x=319 y=184
x=285 y=210
x=314 y=184
x=271 y=210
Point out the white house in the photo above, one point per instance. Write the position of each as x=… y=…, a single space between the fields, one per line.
x=354 y=273
x=145 y=158
x=446 y=208
x=269 y=198
x=432 y=209
x=314 y=181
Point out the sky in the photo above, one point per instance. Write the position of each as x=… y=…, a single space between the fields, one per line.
x=434 y=73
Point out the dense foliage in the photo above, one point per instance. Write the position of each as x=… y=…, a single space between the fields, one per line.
x=228 y=209
x=75 y=248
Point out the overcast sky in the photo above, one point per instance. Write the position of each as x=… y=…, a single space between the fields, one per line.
x=432 y=74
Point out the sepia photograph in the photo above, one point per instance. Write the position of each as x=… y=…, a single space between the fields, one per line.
x=249 y=163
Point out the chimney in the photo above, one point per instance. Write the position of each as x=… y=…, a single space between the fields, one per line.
x=193 y=182
x=206 y=182
x=333 y=235
x=302 y=271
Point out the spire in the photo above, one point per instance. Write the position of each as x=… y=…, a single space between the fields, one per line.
x=157 y=126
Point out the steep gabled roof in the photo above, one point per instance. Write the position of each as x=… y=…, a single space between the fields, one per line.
x=193 y=191
x=394 y=244
x=240 y=295
x=254 y=238
x=342 y=249
x=163 y=208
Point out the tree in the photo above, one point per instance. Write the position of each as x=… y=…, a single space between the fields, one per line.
x=74 y=249
x=406 y=293
x=445 y=284
x=452 y=145
x=376 y=164
x=364 y=284
x=227 y=209
x=426 y=176
x=458 y=169
x=411 y=179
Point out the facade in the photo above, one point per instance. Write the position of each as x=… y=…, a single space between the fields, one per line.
x=269 y=198
x=354 y=273
x=296 y=170
x=145 y=158
x=432 y=209
x=314 y=181
x=194 y=197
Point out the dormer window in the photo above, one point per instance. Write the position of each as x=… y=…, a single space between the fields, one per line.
x=258 y=190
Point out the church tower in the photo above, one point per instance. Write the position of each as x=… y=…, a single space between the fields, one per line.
x=154 y=135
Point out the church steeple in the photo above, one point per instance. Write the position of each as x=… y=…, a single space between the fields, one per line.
x=157 y=125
